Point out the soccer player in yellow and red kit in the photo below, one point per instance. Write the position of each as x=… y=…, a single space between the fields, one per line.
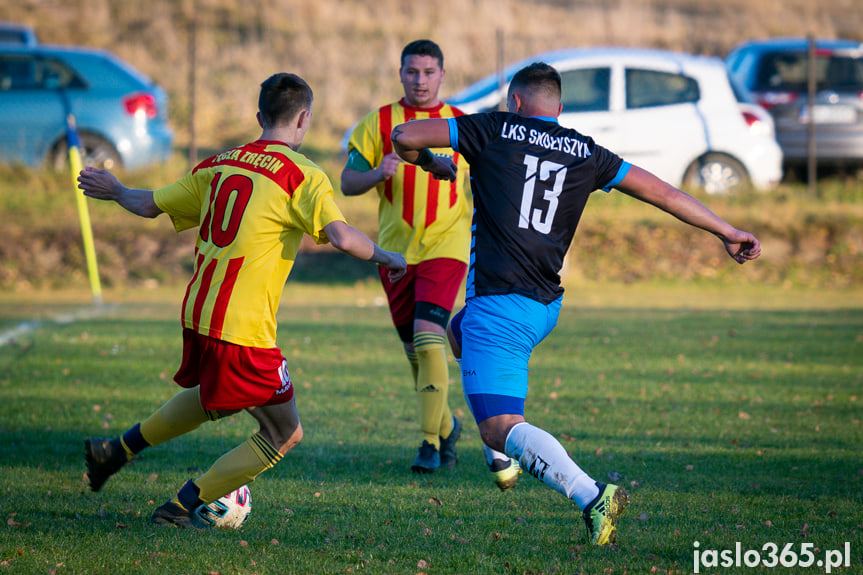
x=427 y=220
x=252 y=205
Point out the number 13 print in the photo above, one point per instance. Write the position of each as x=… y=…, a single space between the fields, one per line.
x=540 y=221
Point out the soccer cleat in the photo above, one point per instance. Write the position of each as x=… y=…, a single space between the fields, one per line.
x=601 y=514
x=172 y=514
x=448 y=457
x=505 y=473
x=427 y=460
x=104 y=458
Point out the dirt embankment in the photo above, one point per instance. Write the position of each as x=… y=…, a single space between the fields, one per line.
x=814 y=251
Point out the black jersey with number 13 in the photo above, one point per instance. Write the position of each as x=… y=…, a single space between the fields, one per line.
x=530 y=179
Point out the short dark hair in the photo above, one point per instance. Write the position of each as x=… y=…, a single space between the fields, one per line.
x=283 y=96
x=423 y=48
x=537 y=78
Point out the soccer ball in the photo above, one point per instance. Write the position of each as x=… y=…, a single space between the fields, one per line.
x=228 y=512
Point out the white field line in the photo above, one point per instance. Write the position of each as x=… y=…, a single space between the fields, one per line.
x=23 y=328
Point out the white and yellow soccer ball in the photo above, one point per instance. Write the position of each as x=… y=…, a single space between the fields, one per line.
x=228 y=512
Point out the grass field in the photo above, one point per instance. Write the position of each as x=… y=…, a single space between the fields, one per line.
x=730 y=417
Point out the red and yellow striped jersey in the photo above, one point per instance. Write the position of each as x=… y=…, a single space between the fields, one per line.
x=252 y=204
x=418 y=216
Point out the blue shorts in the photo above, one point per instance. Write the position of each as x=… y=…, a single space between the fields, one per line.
x=498 y=335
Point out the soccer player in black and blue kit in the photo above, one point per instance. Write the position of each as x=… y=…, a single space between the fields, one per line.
x=531 y=180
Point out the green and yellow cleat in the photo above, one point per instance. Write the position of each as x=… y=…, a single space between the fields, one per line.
x=505 y=473
x=602 y=513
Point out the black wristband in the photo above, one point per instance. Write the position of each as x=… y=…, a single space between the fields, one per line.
x=425 y=158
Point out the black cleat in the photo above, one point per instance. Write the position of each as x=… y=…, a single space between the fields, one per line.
x=427 y=460
x=448 y=457
x=172 y=514
x=104 y=458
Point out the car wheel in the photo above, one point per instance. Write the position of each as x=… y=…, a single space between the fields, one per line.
x=716 y=174
x=95 y=151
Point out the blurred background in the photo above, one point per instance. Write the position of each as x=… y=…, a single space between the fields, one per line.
x=349 y=51
x=210 y=57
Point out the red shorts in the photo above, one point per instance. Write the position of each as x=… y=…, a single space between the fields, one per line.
x=233 y=376
x=435 y=281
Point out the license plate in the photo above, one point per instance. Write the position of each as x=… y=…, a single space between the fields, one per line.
x=829 y=114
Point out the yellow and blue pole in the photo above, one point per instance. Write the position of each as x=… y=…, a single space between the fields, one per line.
x=74 y=145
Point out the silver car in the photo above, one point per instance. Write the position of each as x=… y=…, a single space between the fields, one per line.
x=775 y=71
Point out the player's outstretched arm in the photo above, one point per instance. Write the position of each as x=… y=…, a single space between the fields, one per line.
x=355 y=183
x=412 y=141
x=352 y=241
x=103 y=185
x=641 y=184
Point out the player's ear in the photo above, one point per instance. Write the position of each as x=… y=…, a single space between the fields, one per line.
x=304 y=119
x=260 y=119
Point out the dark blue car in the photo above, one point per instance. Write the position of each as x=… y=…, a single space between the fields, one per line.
x=121 y=115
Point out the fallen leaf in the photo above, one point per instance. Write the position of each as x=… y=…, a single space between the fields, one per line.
x=244 y=543
x=744 y=415
x=422 y=564
x=435 y=500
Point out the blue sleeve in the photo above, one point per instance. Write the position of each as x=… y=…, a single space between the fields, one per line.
x=621 y=173
x=453 y=134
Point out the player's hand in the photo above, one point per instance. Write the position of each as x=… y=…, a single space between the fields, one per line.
x=99 y=184
x=742 y=246
x=443 y=168
x=397 y=266
x=389 y=166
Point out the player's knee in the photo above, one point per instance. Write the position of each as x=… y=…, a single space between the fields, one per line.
x=283 y=437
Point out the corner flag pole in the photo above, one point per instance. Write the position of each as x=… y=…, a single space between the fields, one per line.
x=74 y=145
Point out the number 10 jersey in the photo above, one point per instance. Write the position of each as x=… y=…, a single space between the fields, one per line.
x=252 y=205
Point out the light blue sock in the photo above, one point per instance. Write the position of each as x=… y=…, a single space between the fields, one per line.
x=541 y=455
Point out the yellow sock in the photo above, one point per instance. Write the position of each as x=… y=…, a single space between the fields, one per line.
x=432 y=384
x=415 y=366
x=181 y=414
x=238 y=467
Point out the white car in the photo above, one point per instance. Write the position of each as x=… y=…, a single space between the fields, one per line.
x=676 y=115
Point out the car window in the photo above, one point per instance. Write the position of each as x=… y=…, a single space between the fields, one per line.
x=17 y=72
x=12 y=37
x=646 y=88
x=788 y=71
x=585 y=90
x=24 y=72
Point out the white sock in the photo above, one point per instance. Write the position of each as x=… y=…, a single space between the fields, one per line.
x=541 y=455
x=491 y=455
